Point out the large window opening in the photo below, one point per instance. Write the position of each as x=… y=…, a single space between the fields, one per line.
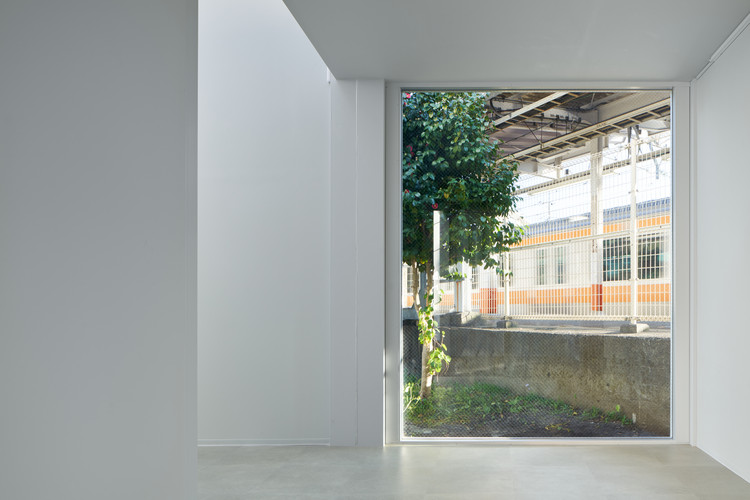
x=536 y=253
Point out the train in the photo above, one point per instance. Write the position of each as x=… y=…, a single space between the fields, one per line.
x=561 y=270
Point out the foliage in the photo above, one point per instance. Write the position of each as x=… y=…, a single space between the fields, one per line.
x=450 y=164
x=428 y=330
x=454 y=276
x=613 y=416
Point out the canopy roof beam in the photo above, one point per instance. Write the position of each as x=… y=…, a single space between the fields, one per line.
x=537 y=107
x=579 y=137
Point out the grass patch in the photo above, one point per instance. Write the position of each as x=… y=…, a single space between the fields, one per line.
x=480 y=402
x=595 y=413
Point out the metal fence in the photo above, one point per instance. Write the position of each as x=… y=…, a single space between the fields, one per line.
x=597 y=243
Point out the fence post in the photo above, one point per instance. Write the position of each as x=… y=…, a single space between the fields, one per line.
x=632 y=326
x=597 y=228
x=505 y=322
x=506 y=284
x=435 y=257
x=633 y=231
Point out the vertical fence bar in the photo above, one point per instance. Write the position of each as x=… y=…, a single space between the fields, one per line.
x=633 y=228
x=435 y=256
x=458 y=291
x=597 y=228
x=506 y=284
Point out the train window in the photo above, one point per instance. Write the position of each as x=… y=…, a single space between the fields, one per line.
x=541 y=267
x=651 y=258
x=560 y=259
x=475 y=278
x=616 y=259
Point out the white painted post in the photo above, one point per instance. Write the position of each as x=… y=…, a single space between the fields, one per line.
x=506 y=284
x=597 y=227
x=633 y=229
x=464 y=303
x=435 y=255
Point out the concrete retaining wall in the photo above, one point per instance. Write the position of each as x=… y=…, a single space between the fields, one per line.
x=585 y=370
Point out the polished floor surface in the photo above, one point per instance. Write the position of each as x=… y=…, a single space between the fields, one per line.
x=609 y=472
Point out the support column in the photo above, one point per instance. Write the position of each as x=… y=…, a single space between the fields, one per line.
x=633 y=229
x=506 y=284
x=597 y=227
x=436 y=227
x=506 y=321
x=464 y=289
x=632 y=326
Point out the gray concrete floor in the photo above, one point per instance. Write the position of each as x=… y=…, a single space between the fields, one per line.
x=610 y=472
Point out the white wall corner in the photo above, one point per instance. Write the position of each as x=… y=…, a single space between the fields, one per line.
x=720 y=180
x=357 y=270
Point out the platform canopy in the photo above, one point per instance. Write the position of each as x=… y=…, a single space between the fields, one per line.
x=544 y=127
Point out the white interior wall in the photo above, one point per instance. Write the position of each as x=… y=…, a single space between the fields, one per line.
x=96 y=333
x=97 y=238
x=264 y=228
x=722 y=105
x=357 y=262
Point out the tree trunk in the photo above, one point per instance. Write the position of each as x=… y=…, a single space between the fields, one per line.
x=415 y=290
x=425 y=388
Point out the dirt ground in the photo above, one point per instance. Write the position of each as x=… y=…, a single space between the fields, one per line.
x=538 y=424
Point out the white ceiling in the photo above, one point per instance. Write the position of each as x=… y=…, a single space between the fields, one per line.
x=521 y=41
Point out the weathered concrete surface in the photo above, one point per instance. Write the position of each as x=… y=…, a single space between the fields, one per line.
x=584 y=369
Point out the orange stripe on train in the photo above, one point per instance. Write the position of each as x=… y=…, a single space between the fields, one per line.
x=579 y=233
x=487 y=299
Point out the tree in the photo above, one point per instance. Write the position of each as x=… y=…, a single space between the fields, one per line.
x=451 y=165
